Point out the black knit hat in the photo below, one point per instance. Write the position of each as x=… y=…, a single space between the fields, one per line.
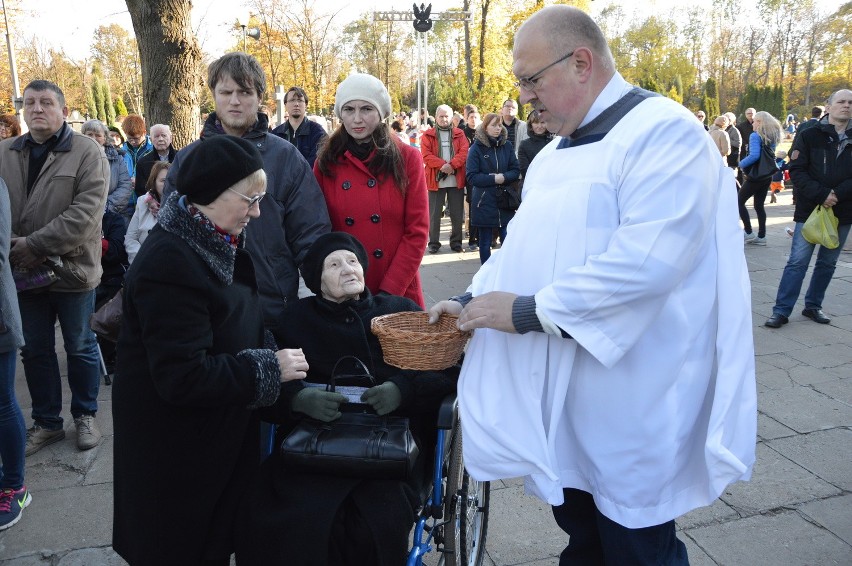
x=319 y=250
x=216 y=164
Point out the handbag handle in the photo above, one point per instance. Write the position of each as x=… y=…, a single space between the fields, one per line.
x=335 y=376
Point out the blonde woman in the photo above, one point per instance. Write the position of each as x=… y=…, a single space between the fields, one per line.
x=767 y=132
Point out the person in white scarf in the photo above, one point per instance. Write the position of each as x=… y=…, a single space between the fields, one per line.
x=612 y=363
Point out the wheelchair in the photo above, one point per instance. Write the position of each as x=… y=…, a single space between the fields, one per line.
x=454 y=518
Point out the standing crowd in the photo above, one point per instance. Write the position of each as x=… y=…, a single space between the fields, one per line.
x=251 y=260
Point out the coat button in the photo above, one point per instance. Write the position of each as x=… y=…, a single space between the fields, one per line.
x=375 y=218
x=349 y=320
x=378 y=253
x=346 y=185
x=371 y=183
x=349 y=221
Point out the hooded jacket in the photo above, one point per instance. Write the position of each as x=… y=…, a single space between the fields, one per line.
x=292 y=215
x=484 y=160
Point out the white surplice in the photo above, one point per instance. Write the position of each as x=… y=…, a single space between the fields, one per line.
x=632 y=246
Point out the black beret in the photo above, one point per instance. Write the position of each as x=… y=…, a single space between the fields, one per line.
x=217 y=163
x=321 y=248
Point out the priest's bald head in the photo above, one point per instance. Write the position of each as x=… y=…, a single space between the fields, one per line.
x=562 y=62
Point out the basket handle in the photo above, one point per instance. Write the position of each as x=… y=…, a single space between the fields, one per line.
x=334 y=376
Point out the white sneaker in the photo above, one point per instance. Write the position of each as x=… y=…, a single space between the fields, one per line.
x=749 y=237
x=757 y=241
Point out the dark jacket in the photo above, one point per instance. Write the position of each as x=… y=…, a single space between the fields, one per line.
x=816 y=169
x=292 y=215
x=61 y=215
x=143 y=171
x=114 y=259
x=746 y=128
x=190 y=368
x=11 y=334
x=290 y=518
x=306 y=138
x=530 y=148
x=484 y=160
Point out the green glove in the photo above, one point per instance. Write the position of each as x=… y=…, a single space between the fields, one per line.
x=384 y=398
x=318 y=404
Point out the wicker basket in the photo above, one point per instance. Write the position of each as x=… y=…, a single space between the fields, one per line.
x=410 y=342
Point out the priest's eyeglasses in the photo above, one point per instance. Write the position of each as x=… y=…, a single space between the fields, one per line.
x=250 y=200
x=531 y=82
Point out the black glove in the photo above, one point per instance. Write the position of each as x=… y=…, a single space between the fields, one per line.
x=318 y=404
x=384 y=398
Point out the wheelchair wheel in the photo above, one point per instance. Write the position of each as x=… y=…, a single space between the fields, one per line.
x=466 y=511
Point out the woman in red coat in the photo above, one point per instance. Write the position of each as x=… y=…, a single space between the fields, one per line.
x=375 y=188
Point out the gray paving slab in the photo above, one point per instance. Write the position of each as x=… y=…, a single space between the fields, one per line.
x=777 y=482
x=525 y=530
x=827 y=454
x=833 y=513
x=782 y=539
x=804 y=409
x=839 y=390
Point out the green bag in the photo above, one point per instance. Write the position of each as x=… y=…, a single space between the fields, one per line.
x=821 y=228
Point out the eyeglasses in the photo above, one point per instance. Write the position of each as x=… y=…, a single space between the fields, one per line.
x=531 y=82
x=250 y=200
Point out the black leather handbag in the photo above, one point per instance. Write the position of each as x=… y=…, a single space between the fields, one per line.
x=359 y=444
x=508 y=196
x=763 y=168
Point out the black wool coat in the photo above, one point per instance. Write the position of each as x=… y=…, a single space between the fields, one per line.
x=190 y=365
x=312 y=519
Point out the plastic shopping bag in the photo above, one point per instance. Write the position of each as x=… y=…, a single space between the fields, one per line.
x=821 y=228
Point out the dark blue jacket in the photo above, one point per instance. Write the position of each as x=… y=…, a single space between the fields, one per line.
x=292 y=215
x=306 y=138
x=483 y=161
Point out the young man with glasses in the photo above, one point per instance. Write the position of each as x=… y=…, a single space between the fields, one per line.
x=297 y=129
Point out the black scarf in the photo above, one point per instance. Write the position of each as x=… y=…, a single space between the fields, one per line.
x=361 y=150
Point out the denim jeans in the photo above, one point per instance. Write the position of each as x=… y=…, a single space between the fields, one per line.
x=797 y=266
x=13 y=432
x=485 y=236
x=41 y=367
x=595 y=540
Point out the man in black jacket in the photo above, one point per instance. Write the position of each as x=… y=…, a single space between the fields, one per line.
x=821 y=169
x=294 y=213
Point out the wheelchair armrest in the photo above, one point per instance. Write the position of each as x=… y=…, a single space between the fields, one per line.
x=448 y=412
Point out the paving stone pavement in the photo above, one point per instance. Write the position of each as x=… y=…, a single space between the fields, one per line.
x=796 y=511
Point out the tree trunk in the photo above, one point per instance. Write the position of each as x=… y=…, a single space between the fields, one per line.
x=468 y=60
x=170 y=58
x=482 y=33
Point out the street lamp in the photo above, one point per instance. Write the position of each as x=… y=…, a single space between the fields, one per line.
x=243 y=22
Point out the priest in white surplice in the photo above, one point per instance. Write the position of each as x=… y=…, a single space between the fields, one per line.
x=613 y=363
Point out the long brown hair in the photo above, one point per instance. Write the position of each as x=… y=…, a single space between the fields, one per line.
x=151 y=183
x=387 y=159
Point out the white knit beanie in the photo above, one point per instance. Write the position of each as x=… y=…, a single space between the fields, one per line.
x=360 y=86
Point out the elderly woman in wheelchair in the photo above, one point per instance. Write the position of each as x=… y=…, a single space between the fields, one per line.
x=296 y=516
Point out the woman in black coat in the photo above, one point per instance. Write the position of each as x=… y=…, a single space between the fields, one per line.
x=192 y=367
x=491 y=164
x=296 y=518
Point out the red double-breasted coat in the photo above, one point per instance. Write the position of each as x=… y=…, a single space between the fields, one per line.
x=393 y=228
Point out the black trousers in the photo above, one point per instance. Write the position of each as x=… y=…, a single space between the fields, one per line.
x=594 y=540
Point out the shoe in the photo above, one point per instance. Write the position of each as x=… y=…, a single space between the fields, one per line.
x=472 y=247
x=757 y=241
x=816 y=315
x=433 y=248
x=749 y=237
x=789 y=231
x=457 y=249
x=12 y=503
x=88 y=435
x=776 y=321
x=38 y=438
